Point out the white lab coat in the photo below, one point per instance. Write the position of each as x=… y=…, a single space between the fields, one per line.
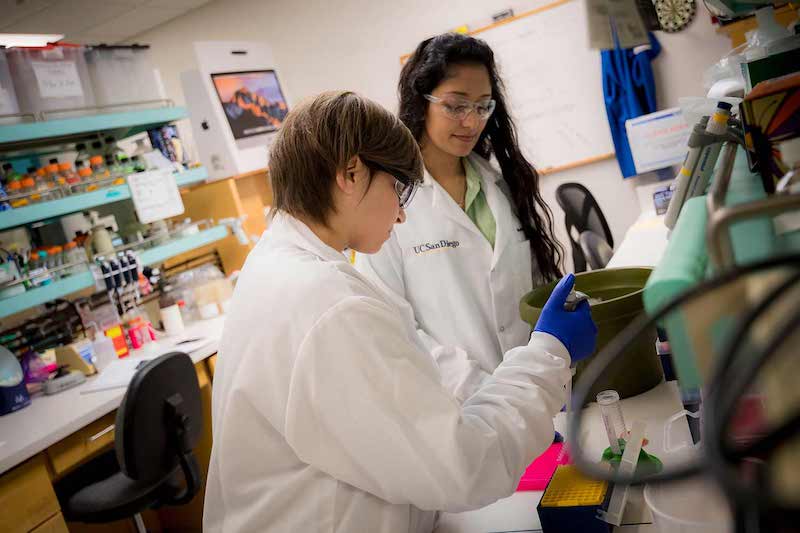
x=463 y=295
x=329 y=415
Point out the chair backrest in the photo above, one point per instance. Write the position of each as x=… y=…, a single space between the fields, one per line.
x=160 y=419
x=595 y=249
x=581 y=213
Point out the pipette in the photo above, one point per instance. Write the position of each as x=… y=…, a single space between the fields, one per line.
x=570 y=304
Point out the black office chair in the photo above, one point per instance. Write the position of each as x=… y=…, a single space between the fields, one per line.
x=158 y=424
x=581 y=213
x=595 y=250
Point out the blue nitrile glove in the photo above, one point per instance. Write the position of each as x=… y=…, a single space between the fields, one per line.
x=575 y=329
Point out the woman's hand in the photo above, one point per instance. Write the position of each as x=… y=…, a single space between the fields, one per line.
x=575 y=329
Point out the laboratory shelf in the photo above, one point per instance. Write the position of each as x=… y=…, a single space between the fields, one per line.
x=30 y=135
x=174 y=247
x=70 y=284
x=84 y=201
x=46 y=293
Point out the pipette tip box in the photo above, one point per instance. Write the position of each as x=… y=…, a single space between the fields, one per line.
x=571 y=502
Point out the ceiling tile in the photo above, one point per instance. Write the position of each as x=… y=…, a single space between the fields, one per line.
x=13 y=10
x=71 y=17
x=100 y=38
x=134 y=22
x=188 y=4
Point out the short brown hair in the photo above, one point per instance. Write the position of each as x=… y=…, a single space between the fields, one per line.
x=321 y=135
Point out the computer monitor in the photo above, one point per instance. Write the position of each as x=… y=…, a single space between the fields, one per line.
x=253 y=102
x=236 y=105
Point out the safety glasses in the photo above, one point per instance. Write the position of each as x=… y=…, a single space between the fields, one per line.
x=459 y=108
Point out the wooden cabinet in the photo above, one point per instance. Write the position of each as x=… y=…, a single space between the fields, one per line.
x=55 y=524
x=82 y=445
x=27 y=499
x=241 y=196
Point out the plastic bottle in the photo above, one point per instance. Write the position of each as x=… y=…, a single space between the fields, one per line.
x=52 y=173
x=37 y=269
x=82 y=153
x=97 y=149
x=68 y=174
x=84 y=174
x=138 y=164
x=28 y=181
x=126 y=165
x=75 y=257
x=99 y=172
x=9 y=173
x=116 y=169
x=55 y=260
x=112 y=150
x=14 y=191
x=28 y=188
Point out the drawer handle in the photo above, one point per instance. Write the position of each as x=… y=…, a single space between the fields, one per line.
x=99 y=434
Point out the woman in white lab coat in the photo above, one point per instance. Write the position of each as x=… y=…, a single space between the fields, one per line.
x=328 y=413
x=477 y=238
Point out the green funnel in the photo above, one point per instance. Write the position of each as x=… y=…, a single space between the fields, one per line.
x=616 y=298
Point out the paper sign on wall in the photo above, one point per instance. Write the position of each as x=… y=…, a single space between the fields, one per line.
x=57 y=79
x=658 y=140
x=155 y=195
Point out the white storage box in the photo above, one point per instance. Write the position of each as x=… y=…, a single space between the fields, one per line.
x=8 y=97
x=51 y=78
x=122 y=74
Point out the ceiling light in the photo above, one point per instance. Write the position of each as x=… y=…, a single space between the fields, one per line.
x=28 y=39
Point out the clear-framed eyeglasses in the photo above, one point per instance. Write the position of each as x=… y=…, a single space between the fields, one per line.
x=405 y=192
x=458 y=108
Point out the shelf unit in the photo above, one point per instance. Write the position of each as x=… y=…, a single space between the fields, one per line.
x=57 y=289
x=36 y=139
x=84 y=201
x=78 y=282
x=29 y=136
x=159 y=254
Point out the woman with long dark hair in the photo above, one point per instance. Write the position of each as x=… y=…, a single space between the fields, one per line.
x=478 y=236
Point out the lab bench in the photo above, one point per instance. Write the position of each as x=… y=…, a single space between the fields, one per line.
x=44 y=441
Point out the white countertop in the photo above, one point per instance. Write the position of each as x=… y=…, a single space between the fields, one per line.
x=48 y=419
x=644 y=242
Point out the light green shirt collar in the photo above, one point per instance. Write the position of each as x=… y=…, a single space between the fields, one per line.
x=473 y=183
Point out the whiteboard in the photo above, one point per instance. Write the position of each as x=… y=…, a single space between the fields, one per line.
x=557 y=104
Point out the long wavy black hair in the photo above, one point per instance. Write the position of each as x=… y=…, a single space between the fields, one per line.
x=422 y=73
